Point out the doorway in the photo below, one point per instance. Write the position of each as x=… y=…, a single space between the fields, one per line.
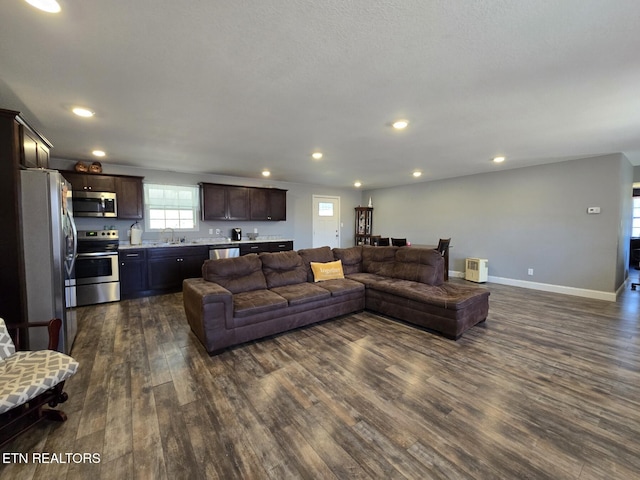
x=326 y=221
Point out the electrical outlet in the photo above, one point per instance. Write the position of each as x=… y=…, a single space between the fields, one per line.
x=530 y=271
x=211 y=231
x=218 y=231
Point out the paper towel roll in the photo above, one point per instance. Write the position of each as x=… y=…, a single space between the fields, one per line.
x=136 y=236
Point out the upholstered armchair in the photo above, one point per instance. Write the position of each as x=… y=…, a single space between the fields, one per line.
x=29 y=380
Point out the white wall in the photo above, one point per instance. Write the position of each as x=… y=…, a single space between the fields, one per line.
x=298 y=225
x=534 y=217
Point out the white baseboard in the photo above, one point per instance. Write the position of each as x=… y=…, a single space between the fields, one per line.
x=546 y=287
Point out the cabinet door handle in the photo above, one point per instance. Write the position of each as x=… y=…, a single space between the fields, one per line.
x=133 y=254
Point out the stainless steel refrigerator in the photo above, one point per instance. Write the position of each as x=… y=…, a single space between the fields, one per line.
x=49 y=240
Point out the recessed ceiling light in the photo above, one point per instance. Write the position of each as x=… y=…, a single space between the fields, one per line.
x=400 y=124
x=49 y=6
x=266 y=173
x=98 y=153
x=82 y=112
x=316 y=155
x=498 y=159
x=417 y=174
x=357 y=184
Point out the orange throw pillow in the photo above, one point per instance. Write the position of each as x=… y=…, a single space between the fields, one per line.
x=327 y=271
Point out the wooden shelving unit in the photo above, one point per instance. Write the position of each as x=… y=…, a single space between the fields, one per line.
x=364 y=225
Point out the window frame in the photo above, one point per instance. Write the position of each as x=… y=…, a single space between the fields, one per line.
x=635 y=218
x=171 y=204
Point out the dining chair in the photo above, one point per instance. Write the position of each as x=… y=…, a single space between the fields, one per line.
x=443 y=245
x=383 y=242
x=398 y=242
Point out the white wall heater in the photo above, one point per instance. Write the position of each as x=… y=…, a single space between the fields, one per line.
x=476 y=269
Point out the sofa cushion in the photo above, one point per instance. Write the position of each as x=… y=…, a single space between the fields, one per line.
x=419 y=265
x=283 y=268
x=300 y=293
x=257 y=301
x=319 y=254
x=367 y=279
x=239 y=274
x=351 y=259
x=448 y=296
x=378 y=260
x=341 y=286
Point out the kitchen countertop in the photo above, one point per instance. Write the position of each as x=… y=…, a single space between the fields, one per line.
x=214 y=242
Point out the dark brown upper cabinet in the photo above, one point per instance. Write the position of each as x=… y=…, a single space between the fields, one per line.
x=224 y=202
x=128 y=190
x=230 y=202
x=268 y=204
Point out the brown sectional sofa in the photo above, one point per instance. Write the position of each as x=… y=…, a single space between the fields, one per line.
x=245 y=298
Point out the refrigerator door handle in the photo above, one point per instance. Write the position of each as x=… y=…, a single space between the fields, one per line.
x=69 y=265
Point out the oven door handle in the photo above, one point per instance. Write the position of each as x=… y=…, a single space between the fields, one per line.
x=97 y=254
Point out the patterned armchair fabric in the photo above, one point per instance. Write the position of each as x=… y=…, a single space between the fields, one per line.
x=7 y=348
x=25 y=375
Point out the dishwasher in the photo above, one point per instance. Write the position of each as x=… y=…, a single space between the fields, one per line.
x=223 y=251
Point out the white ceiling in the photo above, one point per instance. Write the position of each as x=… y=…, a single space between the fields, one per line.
x=234 y=87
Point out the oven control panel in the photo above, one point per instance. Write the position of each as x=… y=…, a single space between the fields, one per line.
x=98 y=235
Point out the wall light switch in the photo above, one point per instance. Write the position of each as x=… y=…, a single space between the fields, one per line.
x=592 y=210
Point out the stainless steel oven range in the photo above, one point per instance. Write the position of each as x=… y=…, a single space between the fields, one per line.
x=97 y=274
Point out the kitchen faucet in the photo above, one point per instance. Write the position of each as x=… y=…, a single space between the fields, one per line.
x=172 y=234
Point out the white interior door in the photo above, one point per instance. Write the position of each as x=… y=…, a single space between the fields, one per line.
x=326 y=221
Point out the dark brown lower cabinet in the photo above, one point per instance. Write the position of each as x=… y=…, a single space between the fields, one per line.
x=133 y=273
x=258 y=247
x=151 y=271
x=168 y=266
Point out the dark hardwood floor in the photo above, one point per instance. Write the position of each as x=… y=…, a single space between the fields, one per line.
x=547 y=388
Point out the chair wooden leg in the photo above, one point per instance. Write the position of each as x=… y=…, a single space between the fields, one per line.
x=55 y=415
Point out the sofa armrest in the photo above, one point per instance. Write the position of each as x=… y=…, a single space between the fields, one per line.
x=209 y=309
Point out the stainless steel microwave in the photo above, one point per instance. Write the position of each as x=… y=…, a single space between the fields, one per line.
x=95 y=204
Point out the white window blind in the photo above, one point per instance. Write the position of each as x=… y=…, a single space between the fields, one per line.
x=636 y=218
x=171 y=206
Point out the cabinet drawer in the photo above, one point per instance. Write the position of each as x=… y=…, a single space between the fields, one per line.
x=178 y=252
x=281 y=246
x=128 y=254
x=254 y=248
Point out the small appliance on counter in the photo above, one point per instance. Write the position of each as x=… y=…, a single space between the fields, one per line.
x=236 y=234
x=135 y=234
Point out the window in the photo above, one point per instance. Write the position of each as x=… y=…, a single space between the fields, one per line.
x=635 y=226
x=325 y=209
x=171 y=206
